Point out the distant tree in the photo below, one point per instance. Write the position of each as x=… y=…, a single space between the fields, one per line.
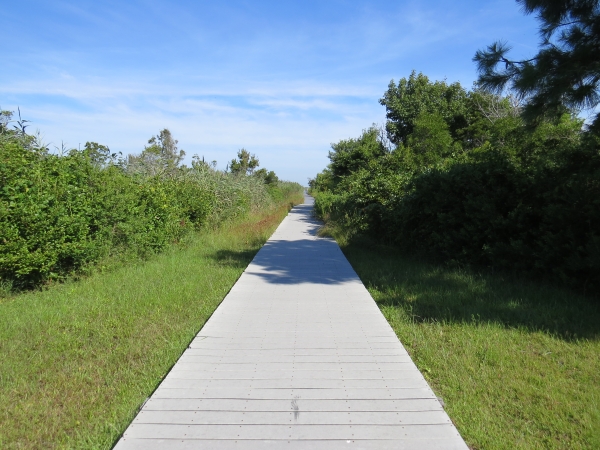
x=323 y=181
x=160 y=158
x=199 y=164
x=5 y=119
x=269 y=177
x=490 y=118
x=244 y=164
x=99 y=154
x=566 y=70
x=349 y=155
x=405 y=101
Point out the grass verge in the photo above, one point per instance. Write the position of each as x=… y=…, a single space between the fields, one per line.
x=77 y=360
x=516 y=363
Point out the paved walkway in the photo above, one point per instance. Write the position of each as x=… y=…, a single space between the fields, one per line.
x=298 y=356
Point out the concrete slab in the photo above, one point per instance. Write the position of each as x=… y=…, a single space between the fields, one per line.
x=292 y=417
x=295 y=394
x=313 y=444
x=297 y=356
x=208 y=404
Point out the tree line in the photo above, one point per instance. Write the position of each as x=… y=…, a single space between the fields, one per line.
x=493 y=177
x=62 y=213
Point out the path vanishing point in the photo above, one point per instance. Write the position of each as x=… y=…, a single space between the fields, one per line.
x=297 y=356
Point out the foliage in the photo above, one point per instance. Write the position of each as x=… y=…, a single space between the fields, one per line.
x=350 y=155
x=268 y=176
x=60 y=213
x=247 y=163
x=431 y=139
x=416 y=95
x=566 y=70
x=484 y=190
x=161 y=158
x=18 y=132
x=493 y=213
x=244 y=164
x=99 y=155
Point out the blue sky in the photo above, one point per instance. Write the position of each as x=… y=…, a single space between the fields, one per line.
x=283 y=79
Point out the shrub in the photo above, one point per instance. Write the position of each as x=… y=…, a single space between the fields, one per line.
x=61 y=213
x=483 y=190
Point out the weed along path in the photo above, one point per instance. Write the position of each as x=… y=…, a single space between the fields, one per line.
x=297 y=356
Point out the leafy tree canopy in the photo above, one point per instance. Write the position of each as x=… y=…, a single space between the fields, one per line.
x=405 y=101
x=268 y=176
x=430 y=139
x=566 y=70
x=100 y=155
x=349 y=155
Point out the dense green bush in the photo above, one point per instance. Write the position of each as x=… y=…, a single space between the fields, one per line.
x=492 y=213
x=61 y=213
x=472 y=183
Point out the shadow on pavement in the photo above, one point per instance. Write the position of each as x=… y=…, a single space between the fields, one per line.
x=296 y=261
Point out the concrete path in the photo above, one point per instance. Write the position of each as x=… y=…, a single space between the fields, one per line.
x=298 y=356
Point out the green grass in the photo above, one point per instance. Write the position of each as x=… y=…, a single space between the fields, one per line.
x=77 y=360
x=516 y=363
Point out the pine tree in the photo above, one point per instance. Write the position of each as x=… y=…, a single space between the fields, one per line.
x=565 y=74
x=245 y=164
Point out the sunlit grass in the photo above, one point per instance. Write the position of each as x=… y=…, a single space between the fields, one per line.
x=77 y=360
x=516 y=363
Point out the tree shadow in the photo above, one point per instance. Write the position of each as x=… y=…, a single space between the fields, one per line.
x=317 y=261
x=237 y=259
x=284 y=260
x=426 y=291
x=439 y=293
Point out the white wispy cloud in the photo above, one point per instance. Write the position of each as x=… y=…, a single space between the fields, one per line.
x=284 y=80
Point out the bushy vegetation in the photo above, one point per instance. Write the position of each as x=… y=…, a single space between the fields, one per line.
x=79 y=358
x=460 y=176
x=61 y=212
